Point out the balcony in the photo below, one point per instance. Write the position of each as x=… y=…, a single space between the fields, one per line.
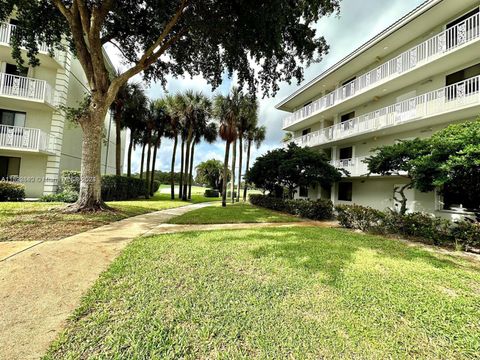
x=446 y=42
x=19 y=138
x=463 y=97
x=24 y=88
x=6 y=31
x=355 y=167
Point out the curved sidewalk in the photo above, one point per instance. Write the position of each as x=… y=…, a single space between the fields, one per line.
x=41 y=285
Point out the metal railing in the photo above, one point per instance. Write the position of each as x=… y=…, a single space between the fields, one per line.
x=355 y=166
x=449 y=98
x=22 y=138
x=25 y=88
x=6 y=31
x=446 y=41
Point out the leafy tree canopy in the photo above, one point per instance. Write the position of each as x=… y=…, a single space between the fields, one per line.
x=292 y=167
x=210 y=172
x=198 y=37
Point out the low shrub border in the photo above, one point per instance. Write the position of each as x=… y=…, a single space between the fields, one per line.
x=114 y=188
x=315 y=210
x=421 y=226
x=11 y=191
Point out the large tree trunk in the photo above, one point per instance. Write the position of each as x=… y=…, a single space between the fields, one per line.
x=147 y=173
x=172 y=171
x=225 y=174
x=246 y=170
x=152 y=177
x=143 y=160
x=129 y=160
x=190 y=173
x=90 y=194
x=182 y=161
x=240 y=158
x=234 y=161
x=118 y=146
x=187 y=162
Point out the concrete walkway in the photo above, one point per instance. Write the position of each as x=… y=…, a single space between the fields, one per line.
x=41 y=283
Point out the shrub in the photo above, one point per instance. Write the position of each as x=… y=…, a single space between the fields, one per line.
x=320 y=209
x=422 y=226
x=210 y=193
x=11 y=191
x=113 y=187
x=466 y=234
x=156 y=186
x=360 y=217
x=66 y=196
x=316 y=210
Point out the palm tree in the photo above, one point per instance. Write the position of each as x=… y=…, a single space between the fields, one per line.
x=160 y=119
x=209 y=133
x=255 y=135
x=288 y=137
x=173 y=129
x=248 y=120
x=196 y=109
x=133 y=117
x=225 y=111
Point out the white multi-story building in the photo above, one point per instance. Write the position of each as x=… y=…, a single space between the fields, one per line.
x=411 y=80
x=37 y=142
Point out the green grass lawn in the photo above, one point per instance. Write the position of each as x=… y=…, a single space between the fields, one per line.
x=233 y=213
x=45 y=221
x=273 y=293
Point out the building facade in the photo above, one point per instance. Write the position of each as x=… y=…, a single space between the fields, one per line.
x=415 y=78
x=37 y=142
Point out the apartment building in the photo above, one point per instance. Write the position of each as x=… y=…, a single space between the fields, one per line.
x=411 y=80
x=37 y=142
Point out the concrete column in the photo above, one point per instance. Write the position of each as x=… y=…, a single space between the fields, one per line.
x=62 y=81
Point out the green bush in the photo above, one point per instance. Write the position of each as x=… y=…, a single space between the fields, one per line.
x=66 y=196
x=316 y=210
x=466 y=234
x=114 y=188
x=421 y=226
x=210 y=193
x=11 y=191
x=360 y=217
x=156 y=186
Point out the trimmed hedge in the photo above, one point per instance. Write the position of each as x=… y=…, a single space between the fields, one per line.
x=211 y=193
x=11 y=191
x=114 y=188
x=320 y=209
x=421 y=226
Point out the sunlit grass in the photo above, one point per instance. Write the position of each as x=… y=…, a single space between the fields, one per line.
x=46 y=221
x=233 y=213
x=276 y=293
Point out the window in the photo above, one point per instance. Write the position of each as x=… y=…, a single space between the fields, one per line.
x=345 y=191
x=470 y=86
x=9 y=166
x=453 y=38
x=346 y=153
x=306 y=131
x=12 y=69
x=303 y=191
x=455 y=199
x=12 y=118
x=344 y=120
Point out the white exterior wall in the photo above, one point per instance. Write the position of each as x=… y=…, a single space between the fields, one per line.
x=41 y=170
x=376 y=191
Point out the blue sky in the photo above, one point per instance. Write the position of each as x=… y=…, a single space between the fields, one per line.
x=357 y=23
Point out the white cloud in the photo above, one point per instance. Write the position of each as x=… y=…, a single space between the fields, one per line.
x=358 y=22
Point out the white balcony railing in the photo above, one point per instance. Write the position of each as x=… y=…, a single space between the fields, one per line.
x=446 y=41
x=22 y=138
x=25 y=88
x=355 y=166
x=6 y=31
x=450 y=98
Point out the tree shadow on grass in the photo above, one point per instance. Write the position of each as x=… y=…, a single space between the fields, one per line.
x=329 y=251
